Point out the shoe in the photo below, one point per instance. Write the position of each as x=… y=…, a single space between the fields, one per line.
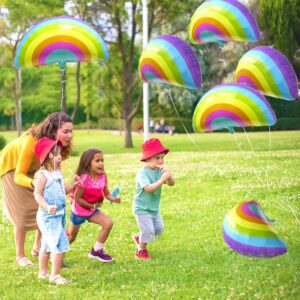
x=24 y=262
x=142 y=254
x=43 y=276
x=59 y=280
x=100 y=255
x=136 y=239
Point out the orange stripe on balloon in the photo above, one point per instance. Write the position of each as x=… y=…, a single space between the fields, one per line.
x=247 y=73
x=225 y=106
x=153 y=63
x=60 y=38
x=248 y=218
x=212 y=21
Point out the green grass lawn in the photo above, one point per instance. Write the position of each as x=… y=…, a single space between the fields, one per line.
x=191 y=259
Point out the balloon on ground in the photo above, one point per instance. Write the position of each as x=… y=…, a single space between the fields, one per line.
x=232 y=105
x=268 y=71
x=248 y=231
x=169 y=60
x=59 y=40
x=222 y=20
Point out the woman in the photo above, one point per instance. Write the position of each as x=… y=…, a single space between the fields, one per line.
x=18 y=164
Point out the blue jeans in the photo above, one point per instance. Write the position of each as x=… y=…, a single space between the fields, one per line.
x=78 y=220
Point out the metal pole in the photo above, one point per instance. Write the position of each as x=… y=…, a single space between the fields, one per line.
x=145 y=85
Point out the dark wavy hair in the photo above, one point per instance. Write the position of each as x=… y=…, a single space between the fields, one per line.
x=85 y=160
x=49 y=126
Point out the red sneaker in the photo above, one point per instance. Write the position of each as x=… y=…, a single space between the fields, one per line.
x=142 y=254
x=136 y=239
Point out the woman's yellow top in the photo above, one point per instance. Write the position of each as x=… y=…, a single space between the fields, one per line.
x=19 y=155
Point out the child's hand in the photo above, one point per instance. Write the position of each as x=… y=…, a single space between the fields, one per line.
x=75 y=180
x=116 y=199
x=99 y=204
x=165 y=176
x=163 y=168
x=51 y=209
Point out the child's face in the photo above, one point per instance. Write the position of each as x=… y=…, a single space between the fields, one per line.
x=97 y=164
x=56 y=158
x=155 y=161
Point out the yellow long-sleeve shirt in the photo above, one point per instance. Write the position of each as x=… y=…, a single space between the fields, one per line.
x=19 y=155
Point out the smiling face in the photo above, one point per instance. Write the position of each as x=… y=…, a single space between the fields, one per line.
x=155 y=161
x=97 y=164
x=65 y=133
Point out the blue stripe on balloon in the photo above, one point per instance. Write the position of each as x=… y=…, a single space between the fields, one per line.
x=274 y=71
x=210 y=36
x=222 y=122
x=241 y=18
x=55 y=56
x=258 y=101
x=253 y=241
x=59 y=20
x=182 y=66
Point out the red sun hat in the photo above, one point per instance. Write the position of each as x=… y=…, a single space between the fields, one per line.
x=151 y=148
x=43 y=147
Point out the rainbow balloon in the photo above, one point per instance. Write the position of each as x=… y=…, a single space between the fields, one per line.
x=232 y=105
x=268 y=71
x=222 y=20
x=248 y=231
x=169 y=60
x=59 y=40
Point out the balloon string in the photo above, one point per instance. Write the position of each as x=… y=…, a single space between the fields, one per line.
x=249 y=142
x=190 y=137
x=234 y=135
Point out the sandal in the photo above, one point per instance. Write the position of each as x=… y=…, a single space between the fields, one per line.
x=24 y=262
x=34 y=252
x=43 y=276
x=59 y=280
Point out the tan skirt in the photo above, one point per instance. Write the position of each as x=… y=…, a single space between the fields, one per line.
x=19 y=205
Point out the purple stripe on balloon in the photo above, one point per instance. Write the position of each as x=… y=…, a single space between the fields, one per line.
x=60 y=17
x=188 y=55
x=252 y=250
x=284 y=66
x=248 y=16
x=60 y=46
x=223 y=114
x=151 y=69
x=211 y=28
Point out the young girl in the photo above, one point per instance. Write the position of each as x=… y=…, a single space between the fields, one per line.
x=146 y=202
x=88 y=196
x=49 y=192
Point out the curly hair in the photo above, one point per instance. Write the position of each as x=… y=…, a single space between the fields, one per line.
x=49 y=126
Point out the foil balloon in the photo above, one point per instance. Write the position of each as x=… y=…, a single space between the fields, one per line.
x=222 y=20
x=59 y=40
x=169 y=60
x=232 y=105
x=248 y=231
x=268 y=71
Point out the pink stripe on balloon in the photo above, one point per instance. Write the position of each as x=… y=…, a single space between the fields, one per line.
x=60 y=46
x=211 y=28
x=149 y=68
x=223 y=114
x=247 y=80
x=248 y=212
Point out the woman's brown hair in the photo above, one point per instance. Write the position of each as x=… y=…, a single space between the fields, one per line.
x=85 y=160
x=49 y=126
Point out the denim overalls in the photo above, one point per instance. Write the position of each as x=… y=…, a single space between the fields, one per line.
x=54 y=238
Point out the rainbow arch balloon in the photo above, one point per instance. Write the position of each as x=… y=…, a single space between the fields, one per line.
x=169 y=60
x=248 y=231
x=268 y=71
x=232 y=105
x=59 y=40
x=222 y=20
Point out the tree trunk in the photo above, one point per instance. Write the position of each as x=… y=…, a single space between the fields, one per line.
x=78 y=92
x=127 y=133
x=63 y=90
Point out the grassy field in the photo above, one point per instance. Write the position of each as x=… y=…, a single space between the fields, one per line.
x=191 y=260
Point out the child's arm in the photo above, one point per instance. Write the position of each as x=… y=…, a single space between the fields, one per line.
x=109 y=197
x=39 y=185
x=73 y=184
x=79 y=200
x=171 y=180
x=152 y=187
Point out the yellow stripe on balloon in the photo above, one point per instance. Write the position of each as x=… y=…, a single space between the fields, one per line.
x=153 y=53
x=248 y=64
x=227 y=98
x=207 y=12
x=41 y=37
x=250 y=225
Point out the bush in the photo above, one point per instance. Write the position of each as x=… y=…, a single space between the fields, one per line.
x=2 y=142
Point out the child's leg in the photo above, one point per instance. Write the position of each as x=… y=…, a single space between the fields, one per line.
x=56 y=264
x=106 y=223
x=147 y=232
x=73 y=231
x=158 y=225
x=43 y=262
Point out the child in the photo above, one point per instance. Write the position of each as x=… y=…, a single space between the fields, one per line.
x=147 y=195
x=88 y=197
x=49 y=192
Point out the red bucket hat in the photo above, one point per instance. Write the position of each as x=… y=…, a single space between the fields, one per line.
x=43 y=147
x=151 y=148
